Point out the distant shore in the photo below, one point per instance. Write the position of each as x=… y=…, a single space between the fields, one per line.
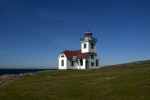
x=4 y=71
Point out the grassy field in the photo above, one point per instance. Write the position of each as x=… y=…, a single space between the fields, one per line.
x=107 y=83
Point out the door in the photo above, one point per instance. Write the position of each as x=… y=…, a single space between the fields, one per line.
x=87 y=64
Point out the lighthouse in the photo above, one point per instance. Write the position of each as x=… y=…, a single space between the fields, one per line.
x=84 y=58
x=88 y=43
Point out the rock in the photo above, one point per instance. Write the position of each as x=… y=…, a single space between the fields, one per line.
x=49 y=76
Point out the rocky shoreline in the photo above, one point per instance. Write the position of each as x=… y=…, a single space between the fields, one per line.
x=8 y=78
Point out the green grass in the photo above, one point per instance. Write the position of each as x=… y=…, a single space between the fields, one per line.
x=107 y=83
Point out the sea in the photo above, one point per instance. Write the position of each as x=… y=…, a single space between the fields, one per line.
x=19 y=71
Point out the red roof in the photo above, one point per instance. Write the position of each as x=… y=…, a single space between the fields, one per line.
x=70 y=54
x=88 y=32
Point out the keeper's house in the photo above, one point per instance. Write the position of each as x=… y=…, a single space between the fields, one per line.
x=86 y=58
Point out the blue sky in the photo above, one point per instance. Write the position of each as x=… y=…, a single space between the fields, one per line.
x=34 y=32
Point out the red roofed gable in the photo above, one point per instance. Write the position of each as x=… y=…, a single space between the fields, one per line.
x=70 y=54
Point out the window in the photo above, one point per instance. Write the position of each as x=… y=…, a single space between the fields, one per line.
x=92 y=46
x=92 y=56
x=62 y=56
x=81 y=62
x=84 y=45
x=92 y=63
x=62 y=62
x=72 y=63
x=96 y=62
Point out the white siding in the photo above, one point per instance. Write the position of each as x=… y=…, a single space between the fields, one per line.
x=67 y=62
x=88 y=47
x=92 y=60
x=76 y=64
x=79 y=66
x=60 y=62
x=92 y=50
x=84 y=64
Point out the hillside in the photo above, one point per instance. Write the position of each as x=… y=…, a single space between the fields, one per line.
x=120 y=82
x=132 y=64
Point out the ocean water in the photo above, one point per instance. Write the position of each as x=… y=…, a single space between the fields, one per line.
x=19 y=71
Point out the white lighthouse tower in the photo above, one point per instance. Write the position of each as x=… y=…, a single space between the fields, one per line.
x=88 y=43
x=85 y=58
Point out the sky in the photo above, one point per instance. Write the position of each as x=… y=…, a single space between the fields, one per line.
x=34 y=32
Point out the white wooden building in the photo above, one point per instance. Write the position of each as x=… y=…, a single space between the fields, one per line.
x=86 y=58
